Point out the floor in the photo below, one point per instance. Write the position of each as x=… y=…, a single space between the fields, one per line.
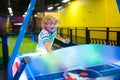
x=3 y=74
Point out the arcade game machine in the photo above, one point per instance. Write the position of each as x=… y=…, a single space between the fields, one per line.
x=80 y=62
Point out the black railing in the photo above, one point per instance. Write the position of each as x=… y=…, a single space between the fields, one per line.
x=105 y=35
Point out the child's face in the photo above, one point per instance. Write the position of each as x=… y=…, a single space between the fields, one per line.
x=49 y=26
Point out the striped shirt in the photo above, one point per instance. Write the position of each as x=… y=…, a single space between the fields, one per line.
x=45 y=36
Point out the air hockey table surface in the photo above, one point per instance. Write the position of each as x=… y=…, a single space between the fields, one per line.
x=104 y=59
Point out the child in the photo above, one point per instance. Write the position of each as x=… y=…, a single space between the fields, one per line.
x=48 y=34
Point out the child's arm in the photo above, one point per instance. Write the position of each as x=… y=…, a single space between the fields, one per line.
x=47 y=46
x=62 y=39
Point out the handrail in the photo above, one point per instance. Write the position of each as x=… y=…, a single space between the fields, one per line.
x=20 y=37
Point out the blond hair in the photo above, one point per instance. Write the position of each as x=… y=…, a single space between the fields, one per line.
x=49 y=18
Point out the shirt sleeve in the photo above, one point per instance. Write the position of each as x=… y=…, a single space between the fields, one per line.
x=45 y=39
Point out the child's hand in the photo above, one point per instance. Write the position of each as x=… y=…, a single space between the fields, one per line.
x=67 y=41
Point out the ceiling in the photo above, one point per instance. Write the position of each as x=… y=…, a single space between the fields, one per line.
x=19 y=7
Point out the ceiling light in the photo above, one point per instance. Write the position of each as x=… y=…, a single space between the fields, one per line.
x=11 y=14
x=50 y=8
x=65 y=1
x=56 y=4
x=35 y=15
x=10 y=10
x=59 y=7
x=23 y=15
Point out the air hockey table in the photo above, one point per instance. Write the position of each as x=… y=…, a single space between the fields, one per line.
x=97 y=62
x=80 y=62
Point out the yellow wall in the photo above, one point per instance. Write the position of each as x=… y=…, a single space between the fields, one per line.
x=90 y=13
x=84 y=13
x=112 y=13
